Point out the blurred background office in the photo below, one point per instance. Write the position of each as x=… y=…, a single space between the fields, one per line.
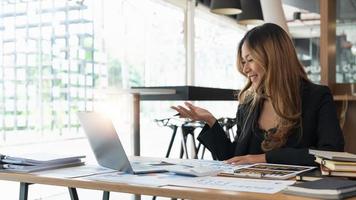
x=62 y=56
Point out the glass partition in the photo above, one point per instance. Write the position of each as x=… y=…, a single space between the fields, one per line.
x=345 y=41
x=303 y=19
x=308 y=51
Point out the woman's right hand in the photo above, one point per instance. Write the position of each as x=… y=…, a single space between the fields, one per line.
x=195 y=113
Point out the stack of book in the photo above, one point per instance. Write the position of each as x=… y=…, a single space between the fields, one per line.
x=335 y=163
x=37 y=162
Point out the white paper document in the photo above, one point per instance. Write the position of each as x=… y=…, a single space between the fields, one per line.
x=235 y=184
x=154 y=180
x=73 y=172
x=221 y=183
x=190 y=167
x=212 y=164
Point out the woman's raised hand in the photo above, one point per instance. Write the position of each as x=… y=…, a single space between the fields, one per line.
x=195 y=113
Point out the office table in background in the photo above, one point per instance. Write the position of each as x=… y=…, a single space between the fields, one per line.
x=173 y=93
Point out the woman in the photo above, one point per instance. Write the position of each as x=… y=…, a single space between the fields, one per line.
x=281 y=113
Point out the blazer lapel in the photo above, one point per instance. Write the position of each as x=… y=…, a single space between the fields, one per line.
x=246 y=133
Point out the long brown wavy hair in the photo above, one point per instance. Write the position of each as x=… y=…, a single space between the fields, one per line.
x=272 y=49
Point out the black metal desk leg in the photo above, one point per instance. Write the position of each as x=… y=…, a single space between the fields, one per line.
x=24 y=191
x=73 y=193
x=106 y=195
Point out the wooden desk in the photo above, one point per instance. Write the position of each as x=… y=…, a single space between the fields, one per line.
x=167 y=191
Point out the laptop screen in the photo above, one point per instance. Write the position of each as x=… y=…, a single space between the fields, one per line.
x=104 y=141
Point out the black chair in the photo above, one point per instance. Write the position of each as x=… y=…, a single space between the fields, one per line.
x=228 y=125
x=188 y=129
x=166 y=123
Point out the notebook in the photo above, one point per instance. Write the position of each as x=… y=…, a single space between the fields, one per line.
x=337 y=165
x=106 y=145
x=333 y=155
x=312 y=175
x=325 y=188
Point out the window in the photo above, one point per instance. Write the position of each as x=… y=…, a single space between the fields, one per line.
x=40 y=66
x=216 y=41
x=345 y=42
x=308 y=51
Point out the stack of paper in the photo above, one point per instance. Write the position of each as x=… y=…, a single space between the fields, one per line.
x=335 y=163
x=38 y=162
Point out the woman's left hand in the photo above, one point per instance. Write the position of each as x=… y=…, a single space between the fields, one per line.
x=238 y=160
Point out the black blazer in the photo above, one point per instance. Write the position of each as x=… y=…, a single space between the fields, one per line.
x=319 y=130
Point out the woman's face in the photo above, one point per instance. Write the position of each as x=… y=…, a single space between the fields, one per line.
x=251 y=69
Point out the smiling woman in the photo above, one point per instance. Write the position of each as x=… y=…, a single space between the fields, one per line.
x=278 y=97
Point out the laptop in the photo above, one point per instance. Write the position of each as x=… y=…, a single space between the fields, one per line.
x=107 y=147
